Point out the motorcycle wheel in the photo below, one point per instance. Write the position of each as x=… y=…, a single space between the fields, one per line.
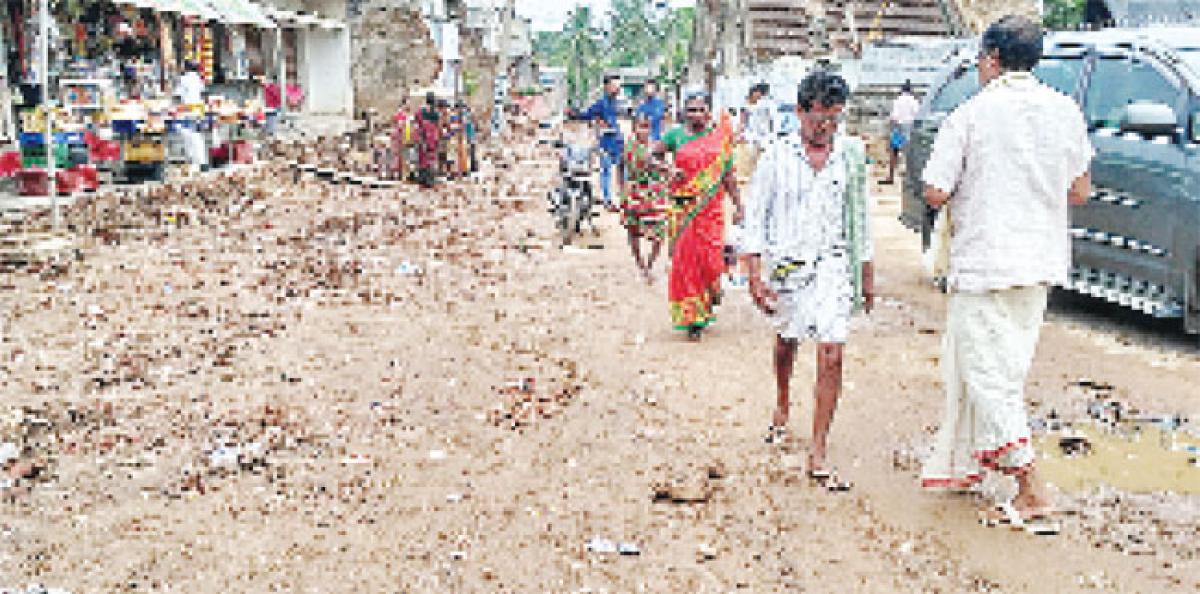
x=569 y=217
x=586 y=204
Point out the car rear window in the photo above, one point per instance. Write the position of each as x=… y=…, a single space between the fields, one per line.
x=1061 y=74
x=962 y=86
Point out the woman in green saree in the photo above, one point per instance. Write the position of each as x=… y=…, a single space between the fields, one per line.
x=703 y=164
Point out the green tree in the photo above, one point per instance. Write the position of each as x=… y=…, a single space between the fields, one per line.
x=1062 y=14
x=582 y=51
x=635 y=37
x=678 y=32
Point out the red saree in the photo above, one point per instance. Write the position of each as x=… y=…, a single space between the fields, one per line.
x=696 y=225
x=429 y=133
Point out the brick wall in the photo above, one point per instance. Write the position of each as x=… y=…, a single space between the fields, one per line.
x=978 y=14
x=481 y=67
x=392 y=53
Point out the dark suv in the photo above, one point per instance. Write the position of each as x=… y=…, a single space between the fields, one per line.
x=1137 y=241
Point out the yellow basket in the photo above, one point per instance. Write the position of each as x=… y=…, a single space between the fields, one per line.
x=145 y=152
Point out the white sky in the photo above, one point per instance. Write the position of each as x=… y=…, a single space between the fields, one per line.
x=549 y=15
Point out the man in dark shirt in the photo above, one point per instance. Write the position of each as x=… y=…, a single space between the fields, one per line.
x=604 y=110
x=653 y=108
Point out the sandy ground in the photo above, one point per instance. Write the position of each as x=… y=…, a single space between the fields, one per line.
x=304 y=388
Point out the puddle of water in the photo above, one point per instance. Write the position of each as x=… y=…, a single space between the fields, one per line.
x=1141 y=465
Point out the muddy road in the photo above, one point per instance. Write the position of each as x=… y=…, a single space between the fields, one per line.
x=311 y=388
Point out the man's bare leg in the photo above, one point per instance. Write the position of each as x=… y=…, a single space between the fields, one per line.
x=828 y=388
x=655 y=247
x=785 y=359
x=1031 y=498
x=893 y=158
x=635 y=246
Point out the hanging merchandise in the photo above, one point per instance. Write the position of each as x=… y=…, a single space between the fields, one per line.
x=16 y=70
x=81 y=38
x=33 y=72
x=190 y=53
x=166 y=41
x=238 y=60
x=206 y=54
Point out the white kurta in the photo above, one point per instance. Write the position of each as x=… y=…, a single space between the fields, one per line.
x=1008 y=157
x=760 y=122
x=795 y=220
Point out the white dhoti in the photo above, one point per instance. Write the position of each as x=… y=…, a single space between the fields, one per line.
x=988 y=348
x=815 y=301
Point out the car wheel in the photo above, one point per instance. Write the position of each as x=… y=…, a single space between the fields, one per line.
x=1191 y=312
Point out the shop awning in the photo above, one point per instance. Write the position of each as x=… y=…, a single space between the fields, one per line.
x=197 y=8
x=159 y=5
x=241 y=12
x=194 y=8
x=292 y=20
x=232 y=12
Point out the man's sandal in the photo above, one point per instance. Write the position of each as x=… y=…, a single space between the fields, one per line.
x=1036 y=522
x=830 y=480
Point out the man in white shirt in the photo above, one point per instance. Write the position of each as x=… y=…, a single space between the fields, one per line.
x=807 y=220
x=191 y=85
x=1007 y=163
x=757 y=127
x=904 y=111
x=758 y=119
x=190 y=91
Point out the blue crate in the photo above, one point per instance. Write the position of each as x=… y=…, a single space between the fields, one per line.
x=126 y=126
x=182 y=124
x=38 y=138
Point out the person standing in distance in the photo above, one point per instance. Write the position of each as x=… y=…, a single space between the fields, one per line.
x=604 y=111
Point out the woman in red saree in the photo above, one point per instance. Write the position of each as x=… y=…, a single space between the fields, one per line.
x=429 y=136
x=703 y=160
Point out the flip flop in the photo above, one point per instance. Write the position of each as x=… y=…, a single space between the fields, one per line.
x=777 y=434
x=1038 y=522
x=1003 y=514
x=830 y=480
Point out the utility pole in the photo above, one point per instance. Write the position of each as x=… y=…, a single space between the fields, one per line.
x=575 y=95
x=501 y=98
x=48 y=107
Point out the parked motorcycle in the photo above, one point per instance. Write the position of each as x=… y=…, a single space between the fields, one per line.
x=573 y=200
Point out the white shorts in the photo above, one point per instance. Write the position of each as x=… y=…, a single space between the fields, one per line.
x=815 y=301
